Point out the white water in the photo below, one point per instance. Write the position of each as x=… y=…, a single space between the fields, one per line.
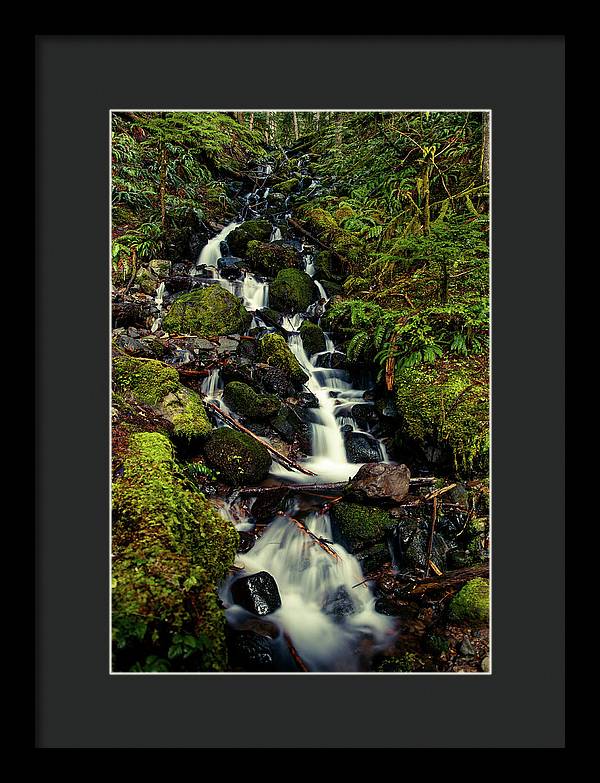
x=211 y=252
x=308 y=578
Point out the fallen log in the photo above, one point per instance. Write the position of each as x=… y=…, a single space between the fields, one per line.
x=334 y=486
x=277 y=456
x=449 y=579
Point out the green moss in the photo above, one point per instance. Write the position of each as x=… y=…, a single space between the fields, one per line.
x=146 y=281
x=292 y=291
x=275 y=351
x=170 y=550
x=238 y=457
x=313 y=338
x=239 y=238
x=147 y=380
x=325 y=266
x=360 y=525
x=187 y=414
x=287 y=185
x=270 y=258
x=150 y=382
x=244 y=400
x=207 y=312
x=274 y=315
x=318 y=221
x=446 y=404
x=472 y=602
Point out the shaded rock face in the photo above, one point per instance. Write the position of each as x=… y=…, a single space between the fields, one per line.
x=361 y=447
x=230 y=267
x=257 y=593
x=380 y=482
x=339 y=605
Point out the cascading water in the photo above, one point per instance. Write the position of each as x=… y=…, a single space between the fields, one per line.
x=327 y=610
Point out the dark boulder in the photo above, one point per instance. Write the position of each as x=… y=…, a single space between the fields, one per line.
x=247 y=541
x=249 y=652
x=380 y=482
x=257 y=593
x=365 y=416
x=361 y=447
x=230 y=267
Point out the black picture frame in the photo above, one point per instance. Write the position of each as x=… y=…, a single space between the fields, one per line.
x=78 y=80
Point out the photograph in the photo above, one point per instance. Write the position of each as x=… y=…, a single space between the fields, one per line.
x=300 y=349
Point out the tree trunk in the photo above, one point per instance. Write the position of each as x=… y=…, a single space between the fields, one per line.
x=251 y=123
x=485 y=153
x=295 y=118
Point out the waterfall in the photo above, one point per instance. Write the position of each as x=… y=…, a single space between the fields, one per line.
x=322 y=610
x=276 y=235
x=211 y=252
x=158 y=300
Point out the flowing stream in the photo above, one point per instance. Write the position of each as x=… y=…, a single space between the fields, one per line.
x=327 y=612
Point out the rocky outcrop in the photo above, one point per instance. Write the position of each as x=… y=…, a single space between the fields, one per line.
x=380 y=482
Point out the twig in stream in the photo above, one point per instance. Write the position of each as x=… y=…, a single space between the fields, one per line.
x=320 y=541
x=294 y=653
x=430 y=537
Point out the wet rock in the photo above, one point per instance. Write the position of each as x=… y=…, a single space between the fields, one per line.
x=339 y=605
x=133 y=347
x=365 y=416
x=178 y=284
x=247 y=541
x=266 y=506
x=180 y=357
x=230 y=267
x=245 y=401
x=361 y=447
x=139 y=311
x=257 y=593
x=313 y=339
x=275 y=351
x=275 y=380
x=250 y=652
x=485 y=664
x=270 y=257
x=380 y=482
x=308 y=399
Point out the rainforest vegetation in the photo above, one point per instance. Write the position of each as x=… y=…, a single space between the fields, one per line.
x=317 y=387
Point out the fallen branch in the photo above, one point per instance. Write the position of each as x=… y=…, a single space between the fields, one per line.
x=323 y=544
x=430 y=536
x=294 y=653
x=450 y=579
x=277 y=456
x=337 y=485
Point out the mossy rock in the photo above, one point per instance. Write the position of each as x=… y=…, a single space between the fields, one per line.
x=406 y=662
x=150 y=382
x=160 y=267
x=326 y=266
x=358 y=526
x=472 y=602
x=318 y=221
x=238 y=457
x=292 y=291
x=170 y=551
x=274 y=315
x=270 y=257
x=239 y=238
x=313 y=338
x=146 y=281
x=445 y=406
x=245 y=401
x=207 y=312
x=287 y=186
x=275 y=352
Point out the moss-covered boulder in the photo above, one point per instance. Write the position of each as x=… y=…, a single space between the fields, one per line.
x=270 y=257
x=327 y=266
x=239 y=238
x=238 y=457
x=170 y=551
x=357 y=526
x=472 y=602
x=146 y=281
x=313 y=338
x=275 y=352
x=292 y=291
x=207 y=312
x=287 y=186
x=245 y=401
x=444 y=408
x=149 y=382
x=318 y=221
